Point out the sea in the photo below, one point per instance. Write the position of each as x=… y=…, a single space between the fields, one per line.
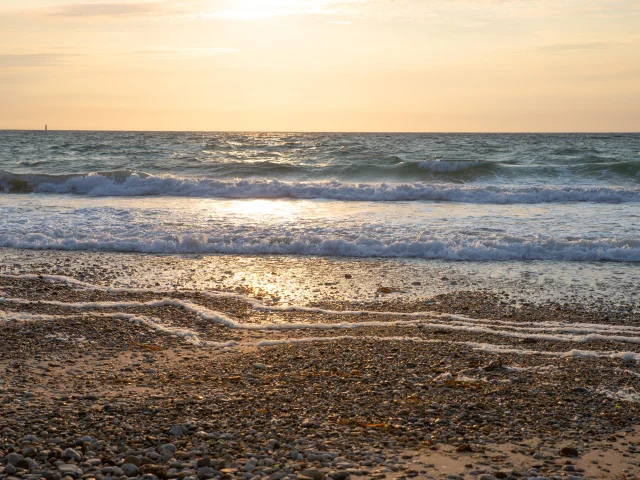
x=557 y=213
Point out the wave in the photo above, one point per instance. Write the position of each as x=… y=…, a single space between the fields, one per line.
x=447 y=166
x=495 y=248
x=131 y=183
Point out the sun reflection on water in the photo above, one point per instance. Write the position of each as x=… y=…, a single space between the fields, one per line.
x=254 y=208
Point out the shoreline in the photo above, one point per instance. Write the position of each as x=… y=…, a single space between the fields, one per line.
x=359 y=401
x=286 y=279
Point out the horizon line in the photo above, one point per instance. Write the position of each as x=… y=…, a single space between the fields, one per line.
x=379 y=132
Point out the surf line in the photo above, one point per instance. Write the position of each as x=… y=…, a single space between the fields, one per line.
x=258 y=305
x=193 y=338
x=220 y=318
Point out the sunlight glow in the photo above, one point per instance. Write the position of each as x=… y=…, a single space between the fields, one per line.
x=257 y=208
x=259 y=9
x=320 y=65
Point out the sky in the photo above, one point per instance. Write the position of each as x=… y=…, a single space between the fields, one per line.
x=321 y=65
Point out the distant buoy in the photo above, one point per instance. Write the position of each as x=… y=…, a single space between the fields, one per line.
x=45 y=128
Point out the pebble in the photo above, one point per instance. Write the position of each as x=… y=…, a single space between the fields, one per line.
x=312 y=474
x=318 y=410
x=129 y=469
x=71 y=454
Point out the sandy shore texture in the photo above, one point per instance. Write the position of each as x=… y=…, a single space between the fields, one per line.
x=125 y=383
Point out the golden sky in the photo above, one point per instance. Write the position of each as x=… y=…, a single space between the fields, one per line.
x=321 y=65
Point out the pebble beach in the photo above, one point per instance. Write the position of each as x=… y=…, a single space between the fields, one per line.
x=161 y=381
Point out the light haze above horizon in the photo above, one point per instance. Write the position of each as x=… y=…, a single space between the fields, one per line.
x=321 y=65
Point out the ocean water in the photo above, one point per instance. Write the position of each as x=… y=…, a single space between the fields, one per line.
x=461 y=197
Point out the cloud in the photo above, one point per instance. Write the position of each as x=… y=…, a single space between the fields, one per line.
x=197 y=51
x=31 y=60
x=260 y=9
x=109 y=9
x=573 y=47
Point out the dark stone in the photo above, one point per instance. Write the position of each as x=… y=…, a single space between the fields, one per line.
x=157 y=470
x=466 y=448
x=569 y=452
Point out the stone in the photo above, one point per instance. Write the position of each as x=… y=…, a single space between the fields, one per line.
x=176 y=431
x=71 y=470
x=112 y=471
x=569 y=452
x=28 y=451
x=28 y=464
x=312 y=473
x=71 y=454
x=340 y=476
x=154 y=470
x=13 y=458
x=10 y=469
x=132 y=459
x=129 y=469
x=206 y=472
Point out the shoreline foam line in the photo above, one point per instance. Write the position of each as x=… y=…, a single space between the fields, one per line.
x=194 y=339
x=258 y=305
x=220 y=318
x=12 y=316
x=486 y=347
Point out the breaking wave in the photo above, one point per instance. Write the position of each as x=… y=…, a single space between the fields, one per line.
x=131 y=184
x=498 y=248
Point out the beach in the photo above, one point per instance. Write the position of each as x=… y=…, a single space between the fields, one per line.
x=178 y=382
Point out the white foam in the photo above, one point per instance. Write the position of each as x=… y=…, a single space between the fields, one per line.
x=218 y=317
x=29 y=317
x=137 y=184
x=457 y=319
x=256 y=242
x=485 y=347
x=192 y=337
x=628 y=394
x=556 y=331
x=63 y=337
